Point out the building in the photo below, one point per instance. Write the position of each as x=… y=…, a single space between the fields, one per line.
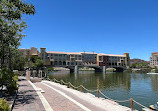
x=84 y=58
x=110 y=60
x=61 y=58
x=29 y=52
x=154 y=59
x=90 y=59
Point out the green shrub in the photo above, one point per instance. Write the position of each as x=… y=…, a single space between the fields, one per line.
x=50 y=69
x=3 y=105
x=15 y=78
x=12 y=87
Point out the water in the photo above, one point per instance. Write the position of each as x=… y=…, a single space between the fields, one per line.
x=120 y=86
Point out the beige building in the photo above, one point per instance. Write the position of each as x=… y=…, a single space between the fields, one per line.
x=110 y=60
x=64 y=59
x=154 y=59
x=29 y=52
x=61 y=58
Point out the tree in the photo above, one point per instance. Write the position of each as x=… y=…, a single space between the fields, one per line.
x=18 y=61
x=11 y=27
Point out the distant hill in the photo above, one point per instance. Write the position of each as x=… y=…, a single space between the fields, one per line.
x=136 y=60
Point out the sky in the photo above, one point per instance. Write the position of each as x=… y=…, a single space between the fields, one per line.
x=102 y=26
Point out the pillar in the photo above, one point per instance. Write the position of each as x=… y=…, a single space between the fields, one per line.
x=27 y=74
x=104 y=69
x=76 y=69
x=40 y=74
x=34 y=73
x=71 y=70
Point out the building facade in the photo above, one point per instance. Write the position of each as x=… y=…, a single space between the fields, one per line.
x=154 y=59
x=63 y=59
x=29 y=52
x=110 y=60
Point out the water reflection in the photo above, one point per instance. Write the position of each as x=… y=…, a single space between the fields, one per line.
x=154 y=82
x=93 y=80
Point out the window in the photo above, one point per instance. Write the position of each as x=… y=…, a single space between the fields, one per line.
x=64 y=63
x=55 y=63
x=100 y=58
x=60 y=63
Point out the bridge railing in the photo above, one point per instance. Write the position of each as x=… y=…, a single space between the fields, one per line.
x=81 y=88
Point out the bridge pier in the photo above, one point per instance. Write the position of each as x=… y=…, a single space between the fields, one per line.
x=71 y=70
x=101 y=69
x=74 y=69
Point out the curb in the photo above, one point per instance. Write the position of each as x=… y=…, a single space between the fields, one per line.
x=15 y=96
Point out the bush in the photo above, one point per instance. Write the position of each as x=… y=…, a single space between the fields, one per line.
x=15 y=78
x=50 y=69
x=3 y=105
x=12 y=87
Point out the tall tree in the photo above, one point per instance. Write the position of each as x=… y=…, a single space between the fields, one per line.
x=11 y=27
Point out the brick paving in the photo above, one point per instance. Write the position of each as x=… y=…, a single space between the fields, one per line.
x=27 y=99
x=87 y=104
x=56 y=100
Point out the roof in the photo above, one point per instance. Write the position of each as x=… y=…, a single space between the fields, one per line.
x=155 y=53
x=111 y=55
x=79 y=53
x=88 y=53
x=54 y=52
x=76 y=53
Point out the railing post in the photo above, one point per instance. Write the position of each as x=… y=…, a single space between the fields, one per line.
x=61 y=82
x=131 y=103
x=68 y=85
x=98 y=93
x=81 y=88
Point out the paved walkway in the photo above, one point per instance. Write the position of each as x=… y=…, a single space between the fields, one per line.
x=27 y=99
x=59 y=98
x=62 y=98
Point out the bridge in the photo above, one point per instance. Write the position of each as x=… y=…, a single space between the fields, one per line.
x=97 y=68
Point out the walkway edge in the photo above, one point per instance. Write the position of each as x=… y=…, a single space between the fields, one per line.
x=63 y=94
x=42 y=98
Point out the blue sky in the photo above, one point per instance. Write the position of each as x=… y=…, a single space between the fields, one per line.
x=102 y=26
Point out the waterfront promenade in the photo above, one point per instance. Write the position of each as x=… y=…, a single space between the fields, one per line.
x=49 y=96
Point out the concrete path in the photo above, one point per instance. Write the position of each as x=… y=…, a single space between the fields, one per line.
x=62 y=98
x=50 y=96
x=27 y=99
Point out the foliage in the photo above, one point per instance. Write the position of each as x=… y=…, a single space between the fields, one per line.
x=34 y=62
x=140 y=65
x=12 y=87
x=50 y=69
x=5 y=77
x=15 y=78
x=18 y=61
x=39 y=63
x=11 y=27
x=3 y=105
x=8 y=79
